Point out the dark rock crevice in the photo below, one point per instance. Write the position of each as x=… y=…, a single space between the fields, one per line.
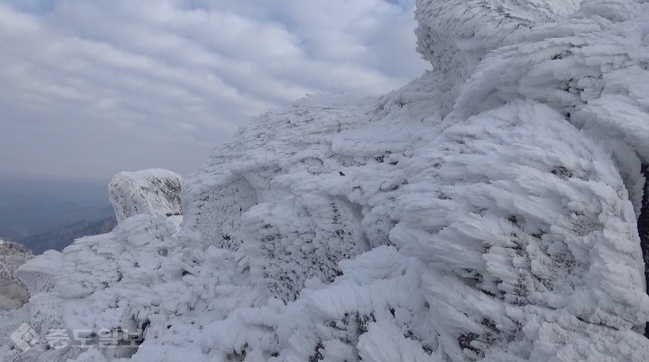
x=643 y=231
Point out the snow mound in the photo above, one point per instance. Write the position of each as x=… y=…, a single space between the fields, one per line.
x=153 y=192
x=487 y=211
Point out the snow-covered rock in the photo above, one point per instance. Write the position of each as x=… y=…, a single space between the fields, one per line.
x=486 y=211
x=153 y=192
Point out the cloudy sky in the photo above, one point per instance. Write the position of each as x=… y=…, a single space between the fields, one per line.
x=92 y=87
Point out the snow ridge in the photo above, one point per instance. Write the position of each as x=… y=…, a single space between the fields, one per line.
x=486 y=211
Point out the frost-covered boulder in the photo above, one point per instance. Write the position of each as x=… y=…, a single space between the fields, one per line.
x=154 y=192
x=455 y=35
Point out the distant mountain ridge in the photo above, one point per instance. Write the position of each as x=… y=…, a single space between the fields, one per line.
x=27 y=220
x=30 y=207
x=59 y=239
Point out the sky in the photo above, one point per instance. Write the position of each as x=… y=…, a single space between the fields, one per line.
x=89 y=88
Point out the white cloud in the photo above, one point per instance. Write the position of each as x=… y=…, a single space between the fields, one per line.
x=89 y=88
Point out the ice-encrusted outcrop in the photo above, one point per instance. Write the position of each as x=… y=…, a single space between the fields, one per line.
x=455 y=35
x=487 y=211
x=153 y=192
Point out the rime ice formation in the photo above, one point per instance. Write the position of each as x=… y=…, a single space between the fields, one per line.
x=153 y=192
x=37 y=274
x=486 y=211
x=455 y=35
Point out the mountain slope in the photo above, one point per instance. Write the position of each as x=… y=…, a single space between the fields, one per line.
x=13 y=293
x=32 y=206
x=34 y=219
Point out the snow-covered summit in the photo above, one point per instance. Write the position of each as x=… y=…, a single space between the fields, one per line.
x=487 y=211
x=153 y=192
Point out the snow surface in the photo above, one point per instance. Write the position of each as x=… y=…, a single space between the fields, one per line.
x=486 y=211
